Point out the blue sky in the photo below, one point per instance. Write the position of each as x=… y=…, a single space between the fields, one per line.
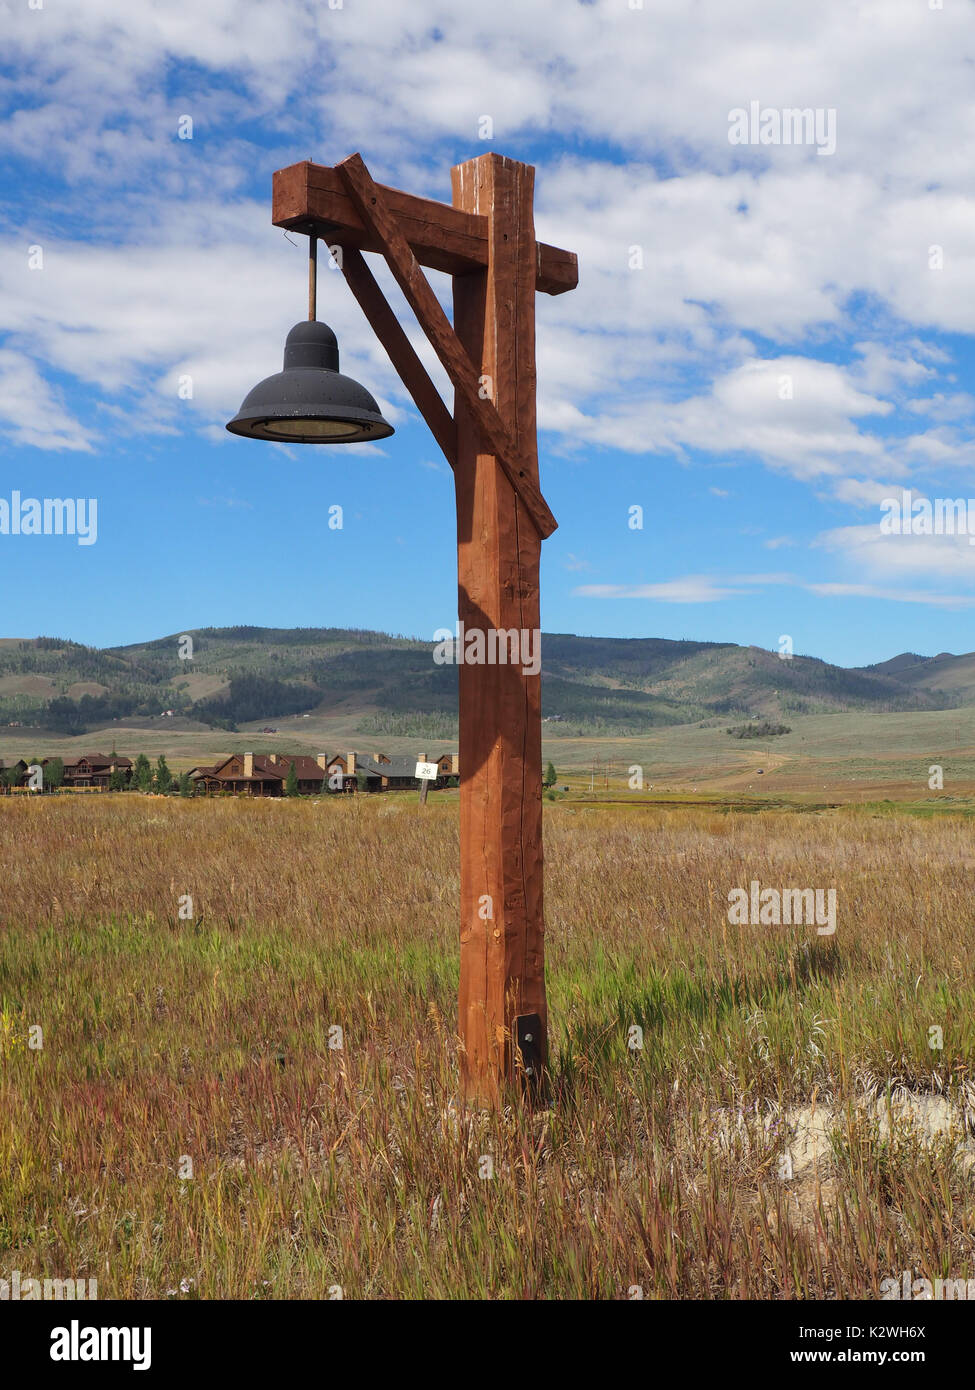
x=766 y=341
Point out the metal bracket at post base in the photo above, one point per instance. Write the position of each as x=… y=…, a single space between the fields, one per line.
x=529 y=1061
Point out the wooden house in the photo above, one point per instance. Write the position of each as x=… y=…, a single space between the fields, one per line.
x=448 y=765
x=261 y=774
x=352 y=772
x=94 y=770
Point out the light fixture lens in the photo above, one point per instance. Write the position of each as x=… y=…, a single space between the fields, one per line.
x=318 y=429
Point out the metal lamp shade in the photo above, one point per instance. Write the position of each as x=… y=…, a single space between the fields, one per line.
x=310 y=402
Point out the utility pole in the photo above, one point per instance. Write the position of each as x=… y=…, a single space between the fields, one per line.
x=485 y=240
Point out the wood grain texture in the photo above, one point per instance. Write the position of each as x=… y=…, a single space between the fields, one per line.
x=400 y=350
x=502 y=956
x=464 y=375
x=441 y=237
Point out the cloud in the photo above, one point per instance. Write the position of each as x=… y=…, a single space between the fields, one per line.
x=866 y=548
x=795 y=413
x=692 y=588
x=945 y=408
x=703 y=588
x=892 y=595
x=863 y=492
x=713 y=276
x=31 y=408
x=881 y=369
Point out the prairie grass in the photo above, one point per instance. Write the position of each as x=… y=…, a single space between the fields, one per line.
x=314 y=1168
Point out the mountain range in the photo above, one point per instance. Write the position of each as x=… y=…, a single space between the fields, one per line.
x=239 y=677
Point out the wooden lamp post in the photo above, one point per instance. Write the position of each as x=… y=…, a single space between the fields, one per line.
x=486 y=241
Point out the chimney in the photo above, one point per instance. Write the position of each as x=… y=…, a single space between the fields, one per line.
x=248 y=764
x=455 y=764
x=350 y=766
x=322 y=762
x=274 y=757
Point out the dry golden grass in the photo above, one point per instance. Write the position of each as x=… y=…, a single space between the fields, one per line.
x=315 y=1167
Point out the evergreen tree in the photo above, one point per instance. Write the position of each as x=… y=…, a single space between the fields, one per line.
x=185 y=785
x=116 y=783
x=291 y=782
x=54 y=774
x=164 y=778
x=551 y=777
x=142 y=773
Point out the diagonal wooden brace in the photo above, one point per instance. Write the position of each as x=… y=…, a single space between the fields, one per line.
x=371 y=206
x=389 y=331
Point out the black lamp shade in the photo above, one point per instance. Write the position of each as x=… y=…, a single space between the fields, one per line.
x=310 y=402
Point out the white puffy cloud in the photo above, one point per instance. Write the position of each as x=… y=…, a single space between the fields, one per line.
x=161 y=262
x=867 y=549
x=796 y=414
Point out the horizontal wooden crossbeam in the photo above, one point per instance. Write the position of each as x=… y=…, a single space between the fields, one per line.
x=315 y=198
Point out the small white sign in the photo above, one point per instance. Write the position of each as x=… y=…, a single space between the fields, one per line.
x=427 y=772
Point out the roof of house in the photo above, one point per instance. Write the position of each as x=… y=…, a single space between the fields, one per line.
x=365 y=764
x=362 y=760
x=98 y=760
x=307 y=768
x=399 y=767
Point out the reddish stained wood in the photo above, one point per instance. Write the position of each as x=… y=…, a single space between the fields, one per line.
x=402 y=354
x=441 y=237
x=464 y=376
x=498 y=552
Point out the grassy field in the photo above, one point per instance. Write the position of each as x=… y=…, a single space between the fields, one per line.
x=204 y=1041
x=845 y=756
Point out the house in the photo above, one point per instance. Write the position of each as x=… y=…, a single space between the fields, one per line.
x=198 y=774
x=309 y=771
x=383 y=773
x=266 y=774
x=261 y=774
x=399 y=774
x=448 y=765
x=94 y=770
x=357 y=771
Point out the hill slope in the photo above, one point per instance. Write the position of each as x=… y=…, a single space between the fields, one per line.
x=238 y=676
x=952 y=677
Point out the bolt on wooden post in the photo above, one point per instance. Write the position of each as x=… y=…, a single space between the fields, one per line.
x=486 y=242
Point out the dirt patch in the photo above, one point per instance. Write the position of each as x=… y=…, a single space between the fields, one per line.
x=795 y=1152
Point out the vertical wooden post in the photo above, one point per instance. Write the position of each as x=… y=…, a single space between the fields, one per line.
x=498 y=550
